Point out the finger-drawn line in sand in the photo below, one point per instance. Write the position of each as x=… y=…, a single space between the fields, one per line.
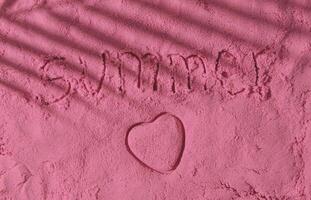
x=233 y=70
x=103 y=74
x=149 y=71
x=137 y=58
x=173 y=87
x=173 y=69
x=46 y=78
x=217 y=67
x=120 y=73
x=196 y=57
x=156 y=72
x=263 y=62
x=256 y=68
x=139 y=130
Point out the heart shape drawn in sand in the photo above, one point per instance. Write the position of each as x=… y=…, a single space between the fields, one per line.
x=157 y=144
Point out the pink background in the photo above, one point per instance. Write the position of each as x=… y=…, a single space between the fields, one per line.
x=163 y=99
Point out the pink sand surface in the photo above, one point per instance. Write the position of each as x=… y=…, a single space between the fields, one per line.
x=155 y=100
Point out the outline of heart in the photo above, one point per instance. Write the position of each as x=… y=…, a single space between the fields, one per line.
x=150 y=122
